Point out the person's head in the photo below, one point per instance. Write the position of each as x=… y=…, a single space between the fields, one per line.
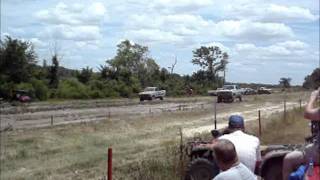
x=225 y=154
x=236 y=122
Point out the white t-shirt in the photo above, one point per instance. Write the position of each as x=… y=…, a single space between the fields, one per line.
x=239 y=172
x=247 y=147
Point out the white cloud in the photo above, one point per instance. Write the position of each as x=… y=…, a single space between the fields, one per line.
x=292 y=50
x=180 y=5
x=153 y=36
x=74 y=14
x=260 y=11
x=255 y=31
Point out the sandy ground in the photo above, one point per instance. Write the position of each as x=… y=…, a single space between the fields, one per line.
x=48 y=114
x=134 y=130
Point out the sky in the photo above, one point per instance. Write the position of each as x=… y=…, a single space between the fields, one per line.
x=265 y=39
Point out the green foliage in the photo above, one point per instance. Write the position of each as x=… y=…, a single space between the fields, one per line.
x=285 y=82
x=85 y=75
x=41 y=90
x=53 y=73
x=211 y=59
x=72 y=89
x=312 y=81
x=17 y=60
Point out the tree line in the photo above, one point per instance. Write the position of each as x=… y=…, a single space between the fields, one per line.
x=124 y=75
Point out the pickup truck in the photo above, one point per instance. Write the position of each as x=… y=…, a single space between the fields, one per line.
x=229 y=93
x=150 y=93
x=263 y=90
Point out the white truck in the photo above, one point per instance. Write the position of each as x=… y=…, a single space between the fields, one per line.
x=229 y=93
x=150 y=93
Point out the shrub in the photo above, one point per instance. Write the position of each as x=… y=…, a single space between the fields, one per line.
x=72 y=89
x=40 y=89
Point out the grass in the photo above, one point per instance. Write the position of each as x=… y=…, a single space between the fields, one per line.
x=144 y=147
x=277 y=130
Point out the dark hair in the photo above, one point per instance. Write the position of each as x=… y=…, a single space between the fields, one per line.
x=225 y=152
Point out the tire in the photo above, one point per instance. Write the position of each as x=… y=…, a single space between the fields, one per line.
x=161 y=98
x=201 y=169
x=219 y=99
x=273 y=170
x=240 y=98
x=141 y=99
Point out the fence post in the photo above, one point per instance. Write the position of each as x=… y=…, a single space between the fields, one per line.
x=300 y=104
x=181 y=153
x=284 y=109
x=51 y=120
x=215 y=115
x=109 y=163
x=259 y=118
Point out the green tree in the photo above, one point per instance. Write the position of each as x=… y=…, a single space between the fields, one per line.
x=85 y=75
x=285 y=82
x=53 y=72
x=211 y=59
x=17 y=60
x=312 y=81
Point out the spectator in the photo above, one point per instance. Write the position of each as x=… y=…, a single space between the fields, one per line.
x=227 y=161
x=247 y=146
x=312 y=151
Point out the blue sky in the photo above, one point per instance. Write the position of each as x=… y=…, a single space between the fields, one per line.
x=266 y=40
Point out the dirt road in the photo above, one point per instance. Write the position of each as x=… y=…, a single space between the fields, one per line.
x=48 y=114
x=135 y=131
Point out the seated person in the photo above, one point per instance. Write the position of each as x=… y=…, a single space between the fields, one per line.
x=227 y=160
x=312 y=151
x=247 y=146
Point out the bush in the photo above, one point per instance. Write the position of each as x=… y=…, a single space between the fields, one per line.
x=40 y=89
x=72 y=89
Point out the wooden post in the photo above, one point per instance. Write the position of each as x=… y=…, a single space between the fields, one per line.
x=285 y=110
x=259 y=118
x=181 y=153
x=300 y=104
x=51 y=120
x=215 y=115
x=109 y=164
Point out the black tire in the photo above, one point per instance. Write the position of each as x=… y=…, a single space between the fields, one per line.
x=201 y=169
x=273 y=170
x=141 y=99
x=240 y=98
x=161 y=98
x=219 y=99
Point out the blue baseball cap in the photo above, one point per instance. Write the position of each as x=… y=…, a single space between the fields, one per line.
x=236 y=121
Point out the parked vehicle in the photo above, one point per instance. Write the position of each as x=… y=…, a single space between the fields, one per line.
x=229 y=93
x=22 y=96
x=250 y=91
x=213 y=92
x=151 y=93
x=263 y=90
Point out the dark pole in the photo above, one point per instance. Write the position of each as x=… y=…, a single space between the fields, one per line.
x=259 y=116
x=215 y=115
x=109 y=163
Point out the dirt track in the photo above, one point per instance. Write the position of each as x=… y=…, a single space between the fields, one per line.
x=45 y=114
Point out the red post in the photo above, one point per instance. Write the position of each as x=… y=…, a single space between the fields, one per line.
x=259 y=116
x=109 y=163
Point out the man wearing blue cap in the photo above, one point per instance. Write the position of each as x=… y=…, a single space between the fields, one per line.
x=247 y=146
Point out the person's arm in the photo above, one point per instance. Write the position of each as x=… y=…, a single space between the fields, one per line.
x=312 y=112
